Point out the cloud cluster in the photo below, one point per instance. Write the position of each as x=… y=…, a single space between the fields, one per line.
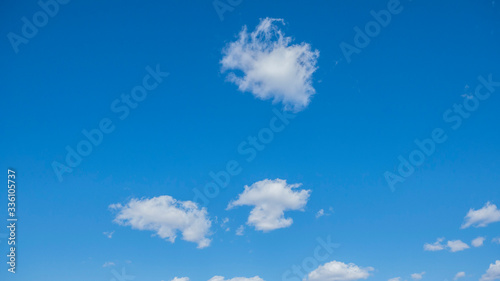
x=271 y=198
x=270 y=66
x=482 y=217
x=339 y=271
x=452 y=245
x=166 y=216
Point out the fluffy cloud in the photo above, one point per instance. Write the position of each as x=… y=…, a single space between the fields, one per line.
x=496 y=240
x=457 y=246
x=221 y=278
x=482 y=217
x=417 y=276
x=493 y=272
x=271 y=67
x=166 y=216
x=436 y=246
x=339 y=271
x=395 y=279
x=271 y=198
x=478 y=242
x=459 y=275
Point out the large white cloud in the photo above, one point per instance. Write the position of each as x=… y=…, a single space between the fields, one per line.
x=482 y=217
x=271 y=199
x=339 y=271
x=166 y=216
x=221 y=278
x=270 y=66
x=493 y=272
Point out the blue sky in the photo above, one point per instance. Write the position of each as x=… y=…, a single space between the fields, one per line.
x=350 y=118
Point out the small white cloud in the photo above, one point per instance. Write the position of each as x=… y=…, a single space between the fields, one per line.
x=436 y=246
x=221 y=278
x=271 y=67
x=240 y=230
x=180 y=279
x=339 y=271
x=395 y=279
x=496 y=240
x=320 y=213
x=482 y=217
x=457 y=246
x=108 y=264
x=478 y=242
x=417 y=276
x=109 y=234
x=459 y=275
x=166 y=216
x=493 y=272
x=271 y=199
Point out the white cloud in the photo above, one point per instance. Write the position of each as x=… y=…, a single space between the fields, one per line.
x=457 y=245
x=271 y=198
x=339 y=271
x=240 y=230
x=108 y=264
x=180 y=279
x=478 y=242
x=496 y=240
x=395 y=279
x=452 y=245
x=221 y=278
x=436 y=246
x=166 y=216
x=271 y=67
x=320 y=213
x=493 y=272
x=417 y=276
x=109 y=234
x=482 y=217
x=461 y=274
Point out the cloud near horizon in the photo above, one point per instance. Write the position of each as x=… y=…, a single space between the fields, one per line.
x=339 y=271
